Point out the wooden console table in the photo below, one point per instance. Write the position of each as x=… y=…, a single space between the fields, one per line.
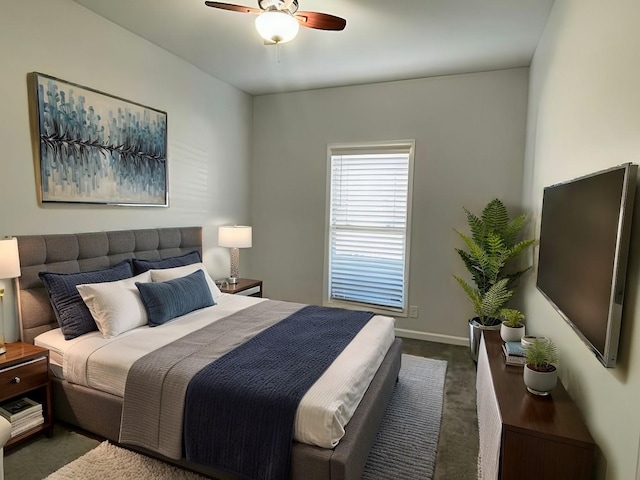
x=525 y=436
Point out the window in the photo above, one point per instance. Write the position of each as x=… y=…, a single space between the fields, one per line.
x=368 y=218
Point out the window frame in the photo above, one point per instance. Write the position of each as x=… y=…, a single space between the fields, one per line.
x=368 y=147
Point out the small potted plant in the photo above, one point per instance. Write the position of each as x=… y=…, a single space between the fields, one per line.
x=512 y=328
x=540 y=373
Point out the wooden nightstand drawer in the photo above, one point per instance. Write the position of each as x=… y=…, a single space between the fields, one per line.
x=23 y=377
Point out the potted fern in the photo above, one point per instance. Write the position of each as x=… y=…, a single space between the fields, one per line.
x=492 y=247
x=512 y=328
x=540 y=374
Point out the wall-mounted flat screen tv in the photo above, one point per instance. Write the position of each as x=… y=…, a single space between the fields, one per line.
x=584 y=241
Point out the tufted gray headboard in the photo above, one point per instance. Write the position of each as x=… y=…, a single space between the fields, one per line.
x=81 y=252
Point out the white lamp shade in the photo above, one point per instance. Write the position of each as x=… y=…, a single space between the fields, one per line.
x=236 y=236
x=9 y=259
x=278 y=27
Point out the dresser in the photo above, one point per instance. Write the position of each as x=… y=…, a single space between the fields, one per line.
x=525 y=436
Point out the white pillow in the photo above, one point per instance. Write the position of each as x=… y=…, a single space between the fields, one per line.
x=165 y=274
x=115 y=306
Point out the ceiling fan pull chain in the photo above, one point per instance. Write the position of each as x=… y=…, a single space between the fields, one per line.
x=278 y=52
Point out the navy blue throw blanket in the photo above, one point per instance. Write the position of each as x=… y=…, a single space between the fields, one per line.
x=240 y=409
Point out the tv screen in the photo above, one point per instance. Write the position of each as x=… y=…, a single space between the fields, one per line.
x=584 y=241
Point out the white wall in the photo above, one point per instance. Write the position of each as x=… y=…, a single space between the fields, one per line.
x=469 y=132
x=209 y=125
x=584 y=115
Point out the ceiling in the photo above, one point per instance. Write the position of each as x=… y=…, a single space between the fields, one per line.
x=384 y=40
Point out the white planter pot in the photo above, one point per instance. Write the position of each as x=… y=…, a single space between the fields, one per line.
x=511 y=334
x=540 y=383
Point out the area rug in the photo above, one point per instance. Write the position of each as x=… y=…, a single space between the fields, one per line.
x=405 y=447
x=407 y=442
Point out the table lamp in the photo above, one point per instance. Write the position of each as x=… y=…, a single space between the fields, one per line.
x=9 y=268
x=234 y=237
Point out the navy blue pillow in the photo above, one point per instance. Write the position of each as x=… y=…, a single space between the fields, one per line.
x=166 y=300
x=71 y=312
x=141 y=266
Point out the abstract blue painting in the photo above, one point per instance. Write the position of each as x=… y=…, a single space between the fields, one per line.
x=97 y=148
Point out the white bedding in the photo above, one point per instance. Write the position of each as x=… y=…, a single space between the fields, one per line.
x=103 y=364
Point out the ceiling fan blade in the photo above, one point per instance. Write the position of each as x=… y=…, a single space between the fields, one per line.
x=321 y=21
x=233 y=8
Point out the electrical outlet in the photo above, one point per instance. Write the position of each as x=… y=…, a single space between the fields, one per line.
x=413 y=311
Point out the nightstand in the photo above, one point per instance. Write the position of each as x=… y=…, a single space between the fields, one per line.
x=245 y=286
x=24 y=372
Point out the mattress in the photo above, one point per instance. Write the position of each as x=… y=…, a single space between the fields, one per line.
x=325 y=410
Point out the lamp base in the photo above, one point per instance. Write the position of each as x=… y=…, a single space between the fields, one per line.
x=235 y=266
x=3 y=349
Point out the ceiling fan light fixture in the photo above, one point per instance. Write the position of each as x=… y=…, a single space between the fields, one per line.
x=277 y=26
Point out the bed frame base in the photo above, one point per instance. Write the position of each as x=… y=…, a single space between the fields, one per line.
x=79 y=405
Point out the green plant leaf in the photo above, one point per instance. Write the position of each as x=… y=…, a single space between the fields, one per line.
x=541 y=354
x=495 y=298
x=474 y=268
x=495 y=216
x=511 y=317
x=514 y=277
x=511 y=231
x=476 y=226
x=474 y=295
x=518 y=248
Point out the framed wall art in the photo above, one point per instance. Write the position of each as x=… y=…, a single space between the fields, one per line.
x=97 y=148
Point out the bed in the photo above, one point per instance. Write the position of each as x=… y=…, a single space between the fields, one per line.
x=99 y=410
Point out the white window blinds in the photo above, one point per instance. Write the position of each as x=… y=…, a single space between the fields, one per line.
x=369 y=213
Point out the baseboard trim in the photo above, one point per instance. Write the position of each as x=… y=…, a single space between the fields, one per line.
x=432 y=337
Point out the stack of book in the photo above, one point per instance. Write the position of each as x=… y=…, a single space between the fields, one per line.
x=514 y=353
x=24 y=414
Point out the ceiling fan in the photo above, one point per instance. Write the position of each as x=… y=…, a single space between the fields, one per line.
x=278 y=20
